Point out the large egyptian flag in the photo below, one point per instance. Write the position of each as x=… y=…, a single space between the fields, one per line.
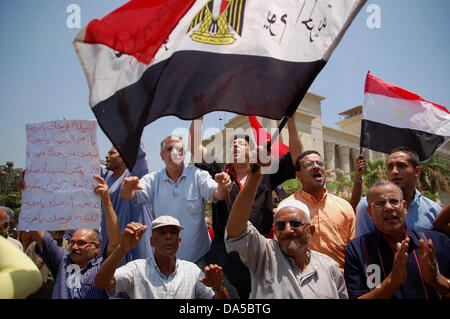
x=394 y=117
x=149 y=59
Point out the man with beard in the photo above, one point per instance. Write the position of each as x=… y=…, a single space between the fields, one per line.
x=332 y=216
x=395 y=261
x=285 y=267
x=403 y=169
x=74 y=270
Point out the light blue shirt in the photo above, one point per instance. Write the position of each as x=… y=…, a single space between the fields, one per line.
x=184 y=200
x=422 y=212
x=127 y=212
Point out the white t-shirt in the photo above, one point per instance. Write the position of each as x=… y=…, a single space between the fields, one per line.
x=141 y=279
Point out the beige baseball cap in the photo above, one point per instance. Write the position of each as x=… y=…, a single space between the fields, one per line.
x=166 y=220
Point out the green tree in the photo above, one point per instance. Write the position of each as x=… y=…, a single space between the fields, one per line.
x=435 y=177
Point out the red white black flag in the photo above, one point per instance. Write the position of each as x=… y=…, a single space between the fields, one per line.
x=149 y=59
x=394 y=117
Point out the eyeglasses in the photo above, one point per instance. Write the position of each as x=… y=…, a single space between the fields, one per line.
x=311 y=163
x=281 y=225
x=394 y=202
x=81 y=243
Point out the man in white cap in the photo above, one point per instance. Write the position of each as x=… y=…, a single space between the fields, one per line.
x=282 y=268
x=162 y=276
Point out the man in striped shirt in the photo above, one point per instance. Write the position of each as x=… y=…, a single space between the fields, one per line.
x=74 y=270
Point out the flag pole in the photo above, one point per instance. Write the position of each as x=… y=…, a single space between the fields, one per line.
x=277 y=132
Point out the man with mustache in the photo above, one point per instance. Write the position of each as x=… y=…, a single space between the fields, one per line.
x=396 y=261
x=180 y=191
x=74 y=270
x=332 y=216
x=163 y=276
x=285 y=267
x=403 y=169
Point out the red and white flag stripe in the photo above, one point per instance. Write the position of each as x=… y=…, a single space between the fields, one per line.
x=393 y=116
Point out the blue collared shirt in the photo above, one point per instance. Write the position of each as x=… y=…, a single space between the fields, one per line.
x=70 y=281
x=373 y=249
x=184 y=200
x=422 y=212
x=127 y=212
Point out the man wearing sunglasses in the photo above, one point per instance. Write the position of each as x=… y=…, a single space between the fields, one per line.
x=332 y=216
x=74 y=270
x=396 y=261
x=285 y=267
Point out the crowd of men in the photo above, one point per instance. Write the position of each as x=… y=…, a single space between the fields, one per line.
x=154 y=241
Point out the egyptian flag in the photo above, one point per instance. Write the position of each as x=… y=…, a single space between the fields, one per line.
x=394 y=117
x=149 y=59
x=261 y=136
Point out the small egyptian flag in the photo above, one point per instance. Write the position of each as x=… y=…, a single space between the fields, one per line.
x=186 y=58
x=261 y=136
x=394 y=117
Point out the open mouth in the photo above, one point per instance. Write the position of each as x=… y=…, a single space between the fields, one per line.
x=317 y=176
x=391 y=218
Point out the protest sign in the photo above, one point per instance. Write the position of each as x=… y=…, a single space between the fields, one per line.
x=61 y=161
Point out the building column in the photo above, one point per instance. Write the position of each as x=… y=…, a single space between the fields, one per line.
x=344 y=157
x=330 y=155
x=354 y=156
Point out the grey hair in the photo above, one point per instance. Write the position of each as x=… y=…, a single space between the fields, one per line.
x=382 y=184
x=96 y=236
x=163 y=142
x=5 y=218
x=8 y=213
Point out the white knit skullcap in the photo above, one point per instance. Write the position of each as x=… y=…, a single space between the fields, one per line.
x=294 y=203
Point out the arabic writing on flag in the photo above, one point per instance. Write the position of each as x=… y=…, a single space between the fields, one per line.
x=394 y=117
x=61 y=161
x=248 y=57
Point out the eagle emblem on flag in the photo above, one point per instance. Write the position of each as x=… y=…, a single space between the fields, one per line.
x=215 y=19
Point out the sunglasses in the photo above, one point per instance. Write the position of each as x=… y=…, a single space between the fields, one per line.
x=394 y=202
x=311 y=163
x=295 y=223
x=81 y=243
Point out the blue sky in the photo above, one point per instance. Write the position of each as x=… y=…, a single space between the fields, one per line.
x=41 y=78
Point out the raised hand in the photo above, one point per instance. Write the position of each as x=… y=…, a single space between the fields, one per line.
x=427 y=261
x=102 y=189
x=129 y=185
x=131 y=235
x=224 y=180
x=398 y=273
x=360 y=166
x=213 y=277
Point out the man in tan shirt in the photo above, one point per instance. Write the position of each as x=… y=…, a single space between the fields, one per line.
x=332 y=216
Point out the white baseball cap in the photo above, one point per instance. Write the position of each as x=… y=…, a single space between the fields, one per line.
x=166 y=221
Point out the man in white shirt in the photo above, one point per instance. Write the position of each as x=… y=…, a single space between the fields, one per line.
x=163 y=276
x=180 y=191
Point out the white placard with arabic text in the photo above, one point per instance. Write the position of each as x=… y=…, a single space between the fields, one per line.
x=61 y=161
